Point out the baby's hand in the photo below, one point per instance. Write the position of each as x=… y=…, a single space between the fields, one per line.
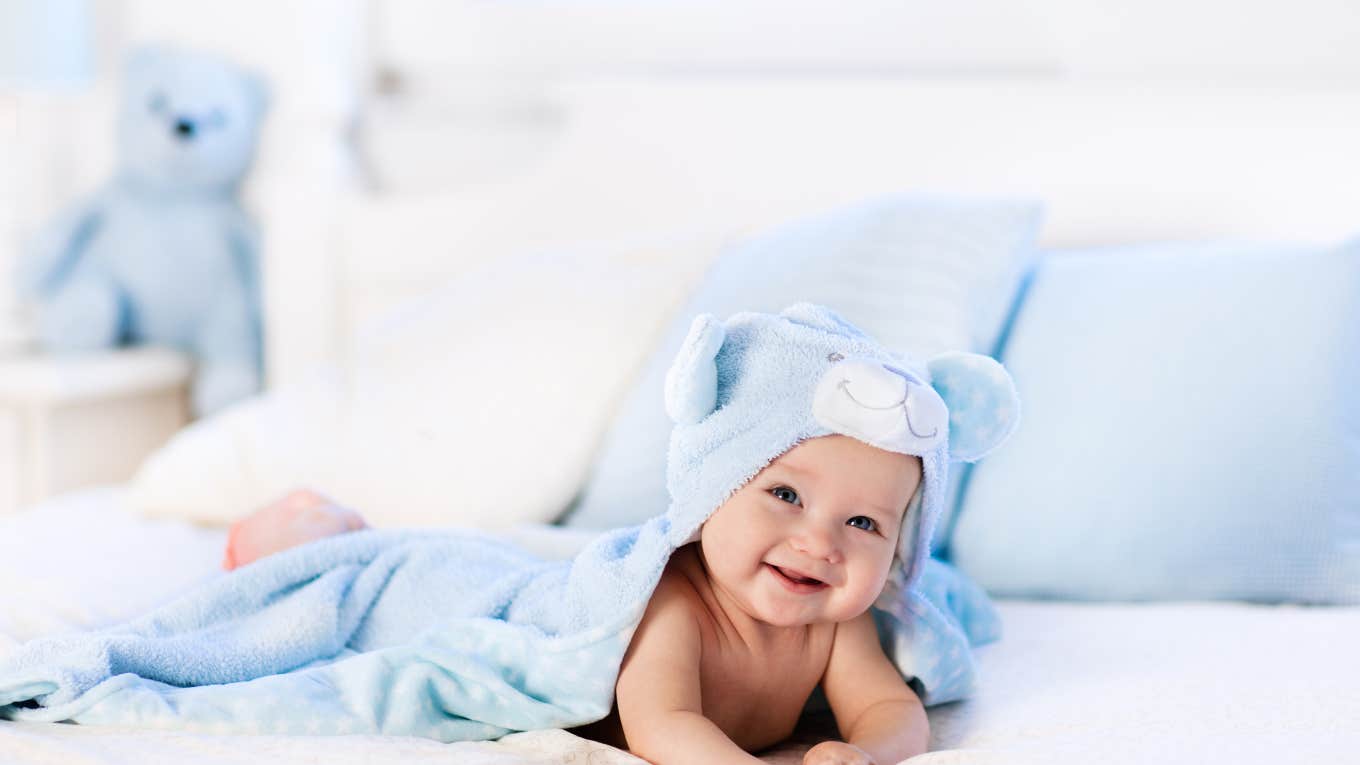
x=301 y=516
x=837 y=753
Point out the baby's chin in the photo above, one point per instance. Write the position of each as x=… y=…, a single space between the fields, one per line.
x=790 y=622
x=784 y=615
x=786 y=623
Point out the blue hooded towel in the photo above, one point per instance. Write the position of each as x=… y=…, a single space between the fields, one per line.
x=463 y=636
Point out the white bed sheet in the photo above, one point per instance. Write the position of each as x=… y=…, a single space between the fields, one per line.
x=1078 y=683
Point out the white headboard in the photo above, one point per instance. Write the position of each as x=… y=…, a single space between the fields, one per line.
x=1115 y=161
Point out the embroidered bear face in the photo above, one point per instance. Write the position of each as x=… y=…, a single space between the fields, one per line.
x=744 y=391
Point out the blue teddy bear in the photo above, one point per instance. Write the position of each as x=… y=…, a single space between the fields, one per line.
x=163 y=254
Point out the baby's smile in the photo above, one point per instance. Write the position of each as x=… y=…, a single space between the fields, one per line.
x=795 y=581
x=811 y=538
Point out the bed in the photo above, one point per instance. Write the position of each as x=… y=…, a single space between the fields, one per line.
x=652 y=158
x=1069 y=682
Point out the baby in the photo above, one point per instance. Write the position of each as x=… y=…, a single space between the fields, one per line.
x=771 y=601
x=772 y=596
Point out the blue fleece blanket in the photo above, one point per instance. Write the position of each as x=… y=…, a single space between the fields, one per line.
x=451 y=636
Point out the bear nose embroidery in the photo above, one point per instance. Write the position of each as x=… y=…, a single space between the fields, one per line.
x=906 y=412
x=870 y=385
x=185 y=129
x=863 y=398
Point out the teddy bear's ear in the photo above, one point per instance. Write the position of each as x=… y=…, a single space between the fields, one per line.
x=692 y=381
x=144 y=60
x=821 y=317
x=984 y=408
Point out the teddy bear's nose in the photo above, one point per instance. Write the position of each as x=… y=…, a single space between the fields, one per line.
x=880 y=404
x=184 y=129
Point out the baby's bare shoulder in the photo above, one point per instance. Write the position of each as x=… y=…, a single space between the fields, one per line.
x=677 y=587
x=660 y=670
x=670 y=620
x=674 y=595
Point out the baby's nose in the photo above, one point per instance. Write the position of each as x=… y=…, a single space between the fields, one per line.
x=817 y=542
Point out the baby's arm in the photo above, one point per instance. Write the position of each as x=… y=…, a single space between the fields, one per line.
x=300 y=516
x=657 y=692
x=875 y=710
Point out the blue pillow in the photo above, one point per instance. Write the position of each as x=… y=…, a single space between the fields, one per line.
x=1190 y=430
x=920 y=273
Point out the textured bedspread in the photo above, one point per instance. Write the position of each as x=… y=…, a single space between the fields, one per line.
x=1161 y=683
x=1068 y=683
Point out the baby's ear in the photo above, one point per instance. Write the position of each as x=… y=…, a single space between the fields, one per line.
x=984 y=408
x=692 y=381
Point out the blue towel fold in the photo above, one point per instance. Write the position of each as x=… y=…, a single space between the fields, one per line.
x=452 y=636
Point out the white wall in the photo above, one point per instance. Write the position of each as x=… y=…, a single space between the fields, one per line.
x=1212 y=39
x=9 y=139
x=473 y=75
x=746 y=36
x=476 y=68
x=1305 y=41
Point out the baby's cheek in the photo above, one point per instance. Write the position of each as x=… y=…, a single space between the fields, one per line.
x=877 y=579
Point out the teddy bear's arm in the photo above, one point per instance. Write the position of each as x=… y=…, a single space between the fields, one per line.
x=228 y=342
x=243 y=237
x=58 y=246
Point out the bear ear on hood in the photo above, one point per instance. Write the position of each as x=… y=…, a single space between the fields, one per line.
x=692 y=380
x=984 y=408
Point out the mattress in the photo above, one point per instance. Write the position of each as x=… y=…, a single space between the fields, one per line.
x=1069 y=682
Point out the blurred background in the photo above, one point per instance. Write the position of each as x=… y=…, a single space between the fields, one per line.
x=474 y=233
x=427 y=96
x=408 y=142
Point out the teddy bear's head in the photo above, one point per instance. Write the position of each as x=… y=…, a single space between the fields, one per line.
x=188 y=121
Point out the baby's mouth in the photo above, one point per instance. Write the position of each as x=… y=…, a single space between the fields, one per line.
x=795 y=577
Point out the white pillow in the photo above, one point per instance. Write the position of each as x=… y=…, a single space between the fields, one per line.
x=480 y=405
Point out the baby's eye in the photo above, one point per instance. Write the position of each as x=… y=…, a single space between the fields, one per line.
x=786 y=494
x=872 y=526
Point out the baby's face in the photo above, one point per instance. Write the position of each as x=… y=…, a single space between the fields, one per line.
x=829 y=509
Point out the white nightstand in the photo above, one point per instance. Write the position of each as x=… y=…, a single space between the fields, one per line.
x=70 y=422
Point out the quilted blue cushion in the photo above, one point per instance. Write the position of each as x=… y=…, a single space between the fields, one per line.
x=1190 y=430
